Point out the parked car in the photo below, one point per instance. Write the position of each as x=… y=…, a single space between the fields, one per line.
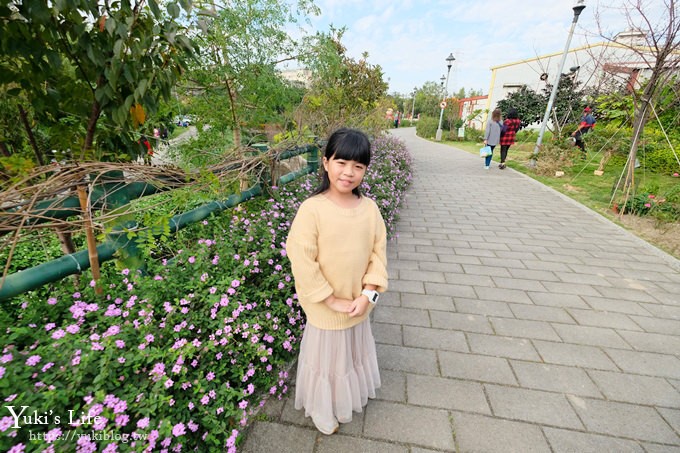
x=184 y=121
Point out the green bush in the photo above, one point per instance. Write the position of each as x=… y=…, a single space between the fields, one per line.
x=656 y=154
x=527 y=135
x=474 y=135
x=427 y=127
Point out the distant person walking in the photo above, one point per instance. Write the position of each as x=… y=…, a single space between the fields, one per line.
x=492 y=135
x=586 y=125
x=508 y=134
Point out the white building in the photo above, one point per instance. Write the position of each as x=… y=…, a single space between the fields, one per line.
x=303 y=76
x=594 y=65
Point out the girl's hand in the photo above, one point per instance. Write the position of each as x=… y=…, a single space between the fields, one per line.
x=339 y=305
x=359 y=306
x=485 y=142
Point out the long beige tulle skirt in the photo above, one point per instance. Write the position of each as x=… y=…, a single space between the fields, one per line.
x=337 y=372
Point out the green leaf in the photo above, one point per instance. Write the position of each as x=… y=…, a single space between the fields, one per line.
x=110 y=25
x=173 y=10
x=118 y=48
x=142 y=87
x=154 y=8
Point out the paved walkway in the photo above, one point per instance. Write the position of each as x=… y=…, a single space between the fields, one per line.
x=516 y=321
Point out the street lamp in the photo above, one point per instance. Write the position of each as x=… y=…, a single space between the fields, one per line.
x=577 y=12
x=413 y=108
x=449 y=60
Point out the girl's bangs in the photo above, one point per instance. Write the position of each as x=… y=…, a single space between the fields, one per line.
x=355 y=148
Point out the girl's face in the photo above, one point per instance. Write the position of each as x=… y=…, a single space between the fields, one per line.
x=344 y=175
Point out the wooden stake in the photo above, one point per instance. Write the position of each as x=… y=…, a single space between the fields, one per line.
x=89 y=233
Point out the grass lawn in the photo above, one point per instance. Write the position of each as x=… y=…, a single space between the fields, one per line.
x=593 y=191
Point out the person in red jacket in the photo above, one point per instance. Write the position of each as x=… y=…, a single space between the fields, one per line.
x=510 y=127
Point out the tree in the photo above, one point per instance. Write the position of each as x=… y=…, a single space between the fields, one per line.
x=429 y=97
x=661 y=56
x=235 y=84
x=568 y=102
x=530 y=105
x=87 y=60
x=343 y=91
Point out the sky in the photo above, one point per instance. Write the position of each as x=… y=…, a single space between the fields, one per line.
x=410 y=39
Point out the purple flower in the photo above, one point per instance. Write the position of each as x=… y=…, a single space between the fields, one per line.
x=52 y=435
x=122 y=419
x=52 y=300
x=33 y=360
x=178 y=430
x=143 y=423
x=58 y=334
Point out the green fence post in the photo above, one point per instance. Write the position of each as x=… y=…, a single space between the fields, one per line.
x=115 y=197
x=265 y=177
x=313 y=158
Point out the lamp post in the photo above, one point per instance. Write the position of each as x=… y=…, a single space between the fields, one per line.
x=577 y=12
x=413 y=107
x=449 y=60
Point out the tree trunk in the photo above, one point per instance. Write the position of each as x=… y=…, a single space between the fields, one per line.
x=3 y=149
x=92 y=121
x=234 y=117
x=91 y=127
x=31 y=137
x=640 y=119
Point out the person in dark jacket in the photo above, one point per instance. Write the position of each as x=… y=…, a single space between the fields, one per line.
x=586 y=125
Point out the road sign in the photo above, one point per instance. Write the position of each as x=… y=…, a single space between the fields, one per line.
x=442 y=104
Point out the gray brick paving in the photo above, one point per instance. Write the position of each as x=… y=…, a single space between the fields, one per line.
x=517 y=321
x=497 y=346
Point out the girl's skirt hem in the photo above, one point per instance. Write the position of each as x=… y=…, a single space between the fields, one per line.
x=337 y=373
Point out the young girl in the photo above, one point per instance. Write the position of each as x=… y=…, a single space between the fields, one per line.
x=336 y=247
x=492 y=135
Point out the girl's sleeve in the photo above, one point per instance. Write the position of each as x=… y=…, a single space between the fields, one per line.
x=376 y=272
x=487 y=130
x=302 y=251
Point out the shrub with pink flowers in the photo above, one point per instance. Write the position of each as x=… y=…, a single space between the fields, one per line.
x=665 y=207
x=177 y=357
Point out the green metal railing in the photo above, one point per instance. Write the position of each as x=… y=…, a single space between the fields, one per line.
x=117 y=195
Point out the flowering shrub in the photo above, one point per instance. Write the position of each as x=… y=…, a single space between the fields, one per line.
x=665 y=208
x=388 y=177
x=177 y=358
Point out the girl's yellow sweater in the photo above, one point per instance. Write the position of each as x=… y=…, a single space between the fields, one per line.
x=335 y=250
